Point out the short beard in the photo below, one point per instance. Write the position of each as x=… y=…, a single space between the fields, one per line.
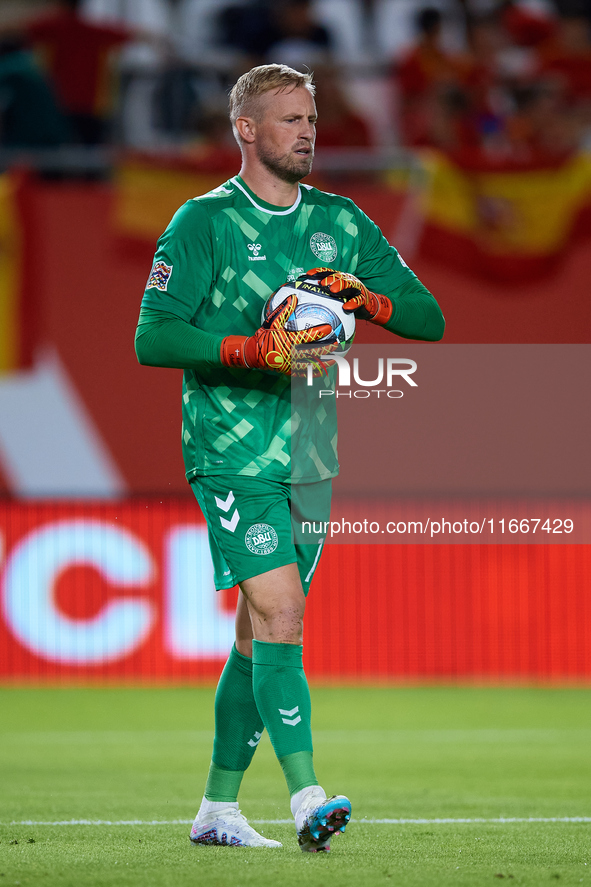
x=287 y=171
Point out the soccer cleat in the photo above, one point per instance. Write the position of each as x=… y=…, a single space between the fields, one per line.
x=318 y=818
x=227 y=828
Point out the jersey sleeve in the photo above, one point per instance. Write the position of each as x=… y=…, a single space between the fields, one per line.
x=182 y=272
x=416 y=314
x=163 y=340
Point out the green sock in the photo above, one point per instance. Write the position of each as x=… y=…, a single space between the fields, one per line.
x=222 y=785
x=283 y=700
x=238 y=729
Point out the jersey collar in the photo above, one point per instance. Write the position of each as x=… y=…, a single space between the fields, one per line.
x=262 y=204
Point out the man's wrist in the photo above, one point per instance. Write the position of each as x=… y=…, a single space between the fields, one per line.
x=384 y=309
x=232 y=351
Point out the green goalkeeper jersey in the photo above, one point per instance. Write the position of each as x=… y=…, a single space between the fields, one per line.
x=217 y=263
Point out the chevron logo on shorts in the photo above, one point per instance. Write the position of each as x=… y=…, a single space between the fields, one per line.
x=225 y=505
x=255 y=741
x=290 y=714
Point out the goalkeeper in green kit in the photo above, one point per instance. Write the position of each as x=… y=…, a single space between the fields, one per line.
x=216 y=265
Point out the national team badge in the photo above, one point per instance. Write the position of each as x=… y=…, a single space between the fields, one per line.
x=261 y=539
x=323 y=246
x=159 y=276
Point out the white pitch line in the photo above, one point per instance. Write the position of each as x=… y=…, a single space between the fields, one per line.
x=442 y=821
x=103 y=822
x=500 y=819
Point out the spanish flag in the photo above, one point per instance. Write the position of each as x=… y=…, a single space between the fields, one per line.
x=506 y=223
x=148 y=192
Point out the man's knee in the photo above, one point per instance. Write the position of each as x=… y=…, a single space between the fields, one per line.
x=276 y=604
x=279 y=621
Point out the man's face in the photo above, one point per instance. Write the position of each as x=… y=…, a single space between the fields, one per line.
x=285 y=133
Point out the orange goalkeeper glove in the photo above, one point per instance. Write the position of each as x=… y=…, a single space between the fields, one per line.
x=274 y=348
x=356 y=296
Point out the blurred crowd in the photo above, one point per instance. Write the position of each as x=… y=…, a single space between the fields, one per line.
x=496 y=79
x=520 y=88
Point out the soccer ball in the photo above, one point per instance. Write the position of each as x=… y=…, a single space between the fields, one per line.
x=314 y=307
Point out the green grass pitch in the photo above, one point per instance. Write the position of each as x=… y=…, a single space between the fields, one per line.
x=113 y=755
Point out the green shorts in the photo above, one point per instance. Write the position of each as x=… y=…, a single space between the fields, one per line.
x=255 y=525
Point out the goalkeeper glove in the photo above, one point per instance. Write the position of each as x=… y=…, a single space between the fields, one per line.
x=272 y=347
x=356 y=296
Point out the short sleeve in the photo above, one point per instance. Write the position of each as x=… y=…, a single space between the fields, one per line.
x=182 y=272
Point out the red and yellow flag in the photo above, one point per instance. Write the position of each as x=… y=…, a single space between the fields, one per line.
x=149 y=192
x=504 y=223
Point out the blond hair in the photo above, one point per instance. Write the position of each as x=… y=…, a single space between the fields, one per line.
x=259 y=81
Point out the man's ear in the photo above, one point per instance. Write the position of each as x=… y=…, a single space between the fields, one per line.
x=246 y=129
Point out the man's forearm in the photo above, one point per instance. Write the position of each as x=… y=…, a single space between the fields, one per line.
x=163 y=340
x=416 y=314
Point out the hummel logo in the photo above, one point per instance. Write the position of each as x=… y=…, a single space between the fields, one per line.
x=254 y=742
x=290 y=723
x=255 y=249
x=232 y=523
x=225 y=505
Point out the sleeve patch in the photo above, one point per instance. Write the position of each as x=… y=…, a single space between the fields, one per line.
x=402 y=262
x=159 y=276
